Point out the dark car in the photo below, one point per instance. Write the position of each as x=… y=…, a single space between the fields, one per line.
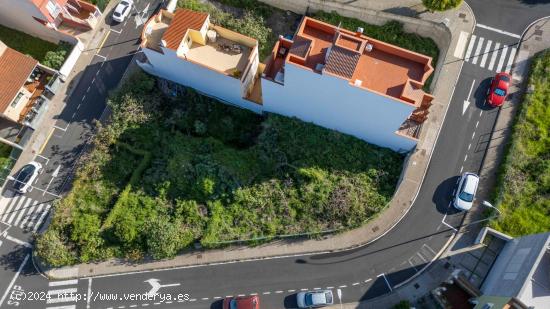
x=499 y=89
x=242 y=302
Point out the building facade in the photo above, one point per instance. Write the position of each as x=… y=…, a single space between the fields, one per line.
x=51 y=20
x=332 y=77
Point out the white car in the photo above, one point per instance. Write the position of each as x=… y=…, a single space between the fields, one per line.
x=314 y=299
x=22 y=182
x=465 y=194
x=122 y=10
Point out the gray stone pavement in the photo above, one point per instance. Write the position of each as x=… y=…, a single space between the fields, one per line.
x=462 y=252
x=458 y=20
x=91 y=41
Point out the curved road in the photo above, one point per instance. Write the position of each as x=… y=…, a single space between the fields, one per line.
x=369 y=271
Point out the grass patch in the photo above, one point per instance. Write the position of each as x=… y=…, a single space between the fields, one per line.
x=47 y=53
x=5 y=151
x=213 y=173
x=523 y=188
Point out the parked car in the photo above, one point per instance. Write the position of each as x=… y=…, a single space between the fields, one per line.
x=314 y=299
x=496 y=94
x=27 y=174
x=244 y=302
x=122 y=10
x=465 y=194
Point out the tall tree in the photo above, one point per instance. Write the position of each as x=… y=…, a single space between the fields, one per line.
x=441 y=5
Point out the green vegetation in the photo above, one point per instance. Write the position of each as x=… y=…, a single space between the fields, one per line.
x=5 y=151
x=101 y=4
x=441 y=5
x=170 y=172
x=43 y=51
x=251 y=24
x=524 y=179
x=391 y=32
x=404 y=304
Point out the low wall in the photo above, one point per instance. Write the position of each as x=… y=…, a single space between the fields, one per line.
x=436 y=31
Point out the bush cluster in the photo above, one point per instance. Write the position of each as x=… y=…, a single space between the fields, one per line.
x=213 y=173
x=524 y=179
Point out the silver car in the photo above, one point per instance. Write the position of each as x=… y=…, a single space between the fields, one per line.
x=122 y=10
x=22 y=182
x=314 y=299
x=465 y=194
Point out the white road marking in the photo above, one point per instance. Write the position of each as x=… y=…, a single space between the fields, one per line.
x=355 y=283
x=42 y=217
x=467 y=101
x=14 y=278
x=278 y=292
x=89 y=296
x=494 y=56
x=478 y=50
x=19 y=202
x=29 y=214
x=343 y=286
x=421 y=257
x=465 y=158
x=266 y=293
x=119 y=31
x=461 y=44
x=470 y=47
x=513 y=51
x=485 y=53
x=64 y=282
x=103 y=57
x=19 y=242
x=289 y=291
x=412 y=265
x=469 y=146
x=473 y=135
x=368 y=280
x=499 y=31
x=502 y=57
x=62 y=307
x=385 y=279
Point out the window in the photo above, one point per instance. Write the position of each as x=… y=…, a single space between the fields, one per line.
x=504 y=78
x=500 y=92
x=16 y=100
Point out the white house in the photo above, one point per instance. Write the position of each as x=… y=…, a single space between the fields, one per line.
x=51 y=20
x=186 y=48
x=332 y=77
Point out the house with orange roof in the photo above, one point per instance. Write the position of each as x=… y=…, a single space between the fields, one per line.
x=51 y=20
x=333 y=77
x=348 y=82
x=185 y=47
x=25 y=88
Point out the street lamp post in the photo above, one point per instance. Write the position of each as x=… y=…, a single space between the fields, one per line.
x=487 y=204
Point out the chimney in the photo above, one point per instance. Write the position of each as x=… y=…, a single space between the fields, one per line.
x=359 y=31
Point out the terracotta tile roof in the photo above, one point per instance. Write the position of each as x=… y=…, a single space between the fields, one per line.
x=300 y=46
x=15 y=68
x=342 y=61
x=183 y=20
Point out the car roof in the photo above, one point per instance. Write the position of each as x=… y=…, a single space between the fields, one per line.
x=246 y=302
x=319 y=298
x=471 y=183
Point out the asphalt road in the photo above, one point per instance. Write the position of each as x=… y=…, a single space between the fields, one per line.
x=362 y=273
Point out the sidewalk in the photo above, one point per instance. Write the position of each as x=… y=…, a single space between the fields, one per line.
x=416 y=164
x=91 y=41
x=533 y=41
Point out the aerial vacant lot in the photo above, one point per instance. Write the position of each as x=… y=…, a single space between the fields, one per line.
x=524 y=182
x=168 y=173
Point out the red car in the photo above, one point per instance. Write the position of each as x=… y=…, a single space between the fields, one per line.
x=499 y=89
x=245 y=302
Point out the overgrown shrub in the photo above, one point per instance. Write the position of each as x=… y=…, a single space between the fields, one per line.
x=55 y=59
x=524 y=178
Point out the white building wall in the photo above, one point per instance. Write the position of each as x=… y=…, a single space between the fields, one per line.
x=18 y=14
x=333 y=103
x=205 y=80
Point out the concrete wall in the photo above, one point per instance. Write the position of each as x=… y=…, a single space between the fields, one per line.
x=333 y=103
x=18 y=14
x=436 y=31
x=205 y=80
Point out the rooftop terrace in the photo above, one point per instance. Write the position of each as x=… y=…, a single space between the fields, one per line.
x=363 y=61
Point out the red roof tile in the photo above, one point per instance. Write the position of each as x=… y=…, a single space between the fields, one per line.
x=183 y=20
x=15 y=68
x=342 y=61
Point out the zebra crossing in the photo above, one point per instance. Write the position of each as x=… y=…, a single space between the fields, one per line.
x=60 y=292
x=23 y=212
x=493 y=56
